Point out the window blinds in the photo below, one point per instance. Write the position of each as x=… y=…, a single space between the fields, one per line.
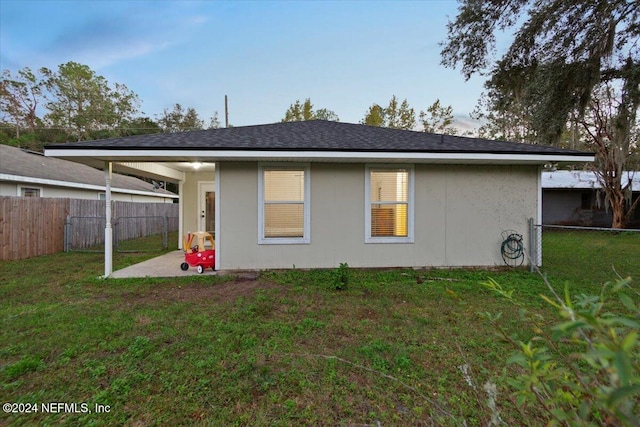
x=389 y=200
x=283 y=203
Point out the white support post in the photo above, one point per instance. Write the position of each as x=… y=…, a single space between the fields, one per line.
x=180 y=213
x=108 y=230
x=218 y=215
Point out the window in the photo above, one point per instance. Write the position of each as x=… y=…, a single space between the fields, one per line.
x=283 y=213
x=389 y=209
x=29 y=192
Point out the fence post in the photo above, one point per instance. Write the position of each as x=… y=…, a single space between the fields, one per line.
x=67 y=234
x=539 y=231
x=116 y=237
x=533 y=251
x=165 y=234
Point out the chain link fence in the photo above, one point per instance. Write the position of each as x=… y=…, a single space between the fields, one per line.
x=130 y=234
x=599 y=252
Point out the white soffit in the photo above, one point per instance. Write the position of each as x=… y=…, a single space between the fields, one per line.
x=151 y=169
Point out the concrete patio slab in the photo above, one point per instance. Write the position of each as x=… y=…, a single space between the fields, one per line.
x=167 y=265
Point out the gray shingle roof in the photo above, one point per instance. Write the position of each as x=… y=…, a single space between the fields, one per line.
x=14 y=161
x=316 y=135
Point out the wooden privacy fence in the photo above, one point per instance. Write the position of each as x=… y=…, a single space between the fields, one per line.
x=84 y=228
x=32 y=226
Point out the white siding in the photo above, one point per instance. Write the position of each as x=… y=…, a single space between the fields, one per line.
x=11 y=189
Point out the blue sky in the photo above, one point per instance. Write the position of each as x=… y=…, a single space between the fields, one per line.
x=344 y=55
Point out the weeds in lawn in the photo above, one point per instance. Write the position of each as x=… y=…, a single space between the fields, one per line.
x=341 y=276
x=25 y=365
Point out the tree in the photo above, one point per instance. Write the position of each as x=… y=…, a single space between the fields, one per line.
x=400 y=117
x=374 y=116
x=126 y=105
x=394 y=116
x=20 y=97
x=503 y=119
x=609 y=130
x=180 y=120
x=325 y=114
x=438 y=119
x=82 y=102
x=140 y=126
x=214 y=122
x=559 y=55
x=298 y=112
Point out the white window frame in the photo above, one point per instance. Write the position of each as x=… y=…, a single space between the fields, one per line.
x=409 y=238
x=306 y=234
x=30 y=187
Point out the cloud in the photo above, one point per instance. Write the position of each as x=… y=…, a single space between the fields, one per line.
x=108 y=38
x=466 y=124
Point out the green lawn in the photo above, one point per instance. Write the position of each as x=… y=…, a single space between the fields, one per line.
x=584 y=257
x=396 y=347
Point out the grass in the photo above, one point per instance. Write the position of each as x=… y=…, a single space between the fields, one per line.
x=287 y=349
x=584 y=257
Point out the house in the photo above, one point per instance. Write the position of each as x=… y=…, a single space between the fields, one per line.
x=31 y=174
x=318 y=193
x=574 y=198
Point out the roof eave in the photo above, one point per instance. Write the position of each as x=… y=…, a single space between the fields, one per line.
x=82 y=186
x=171 y=155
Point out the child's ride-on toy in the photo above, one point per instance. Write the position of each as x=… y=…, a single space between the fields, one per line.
x=199 y=251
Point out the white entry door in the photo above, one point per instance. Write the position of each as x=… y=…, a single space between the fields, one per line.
x=207 y=207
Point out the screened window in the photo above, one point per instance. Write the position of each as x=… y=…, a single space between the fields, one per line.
x=284 y=204
x=389 y=207
x=29 y=192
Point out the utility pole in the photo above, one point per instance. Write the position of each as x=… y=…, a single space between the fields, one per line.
x=226 y=112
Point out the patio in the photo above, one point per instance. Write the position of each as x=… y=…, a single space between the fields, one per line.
x=167 y=265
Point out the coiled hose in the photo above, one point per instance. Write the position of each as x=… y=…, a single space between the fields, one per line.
x=512 y=249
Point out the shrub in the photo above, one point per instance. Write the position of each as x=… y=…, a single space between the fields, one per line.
x=583 y=370
x=341 y=276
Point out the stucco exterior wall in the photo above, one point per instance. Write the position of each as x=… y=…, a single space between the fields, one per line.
x=190 y=198
x=460 y=212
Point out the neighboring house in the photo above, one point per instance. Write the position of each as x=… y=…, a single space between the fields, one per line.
x=318 y=193
x=31 y=174
x=575 y=198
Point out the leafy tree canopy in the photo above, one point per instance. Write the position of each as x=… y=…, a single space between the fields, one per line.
x=82 y=102
x=20 y=96
x=565 y=61
x=560 y=51
x=298 y=112
x=374 y=116
x=395 y=115
x=180 y=119
x=75 y=103
x=438 y=119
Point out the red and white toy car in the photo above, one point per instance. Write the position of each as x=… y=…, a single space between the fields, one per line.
x=199 y=251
